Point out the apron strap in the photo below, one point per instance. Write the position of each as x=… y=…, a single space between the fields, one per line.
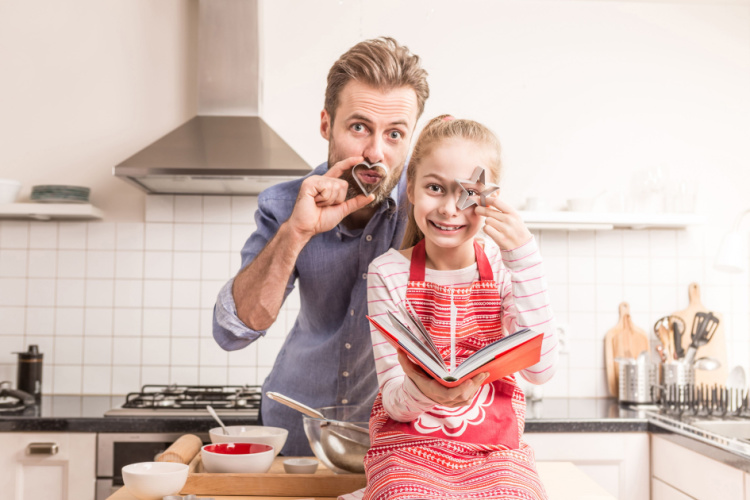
x=419 y=258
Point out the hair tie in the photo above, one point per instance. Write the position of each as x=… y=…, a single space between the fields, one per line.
x=448 y=118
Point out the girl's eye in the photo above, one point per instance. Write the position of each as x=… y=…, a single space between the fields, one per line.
x=395 y=134
x=434 y=188
x=473 y=192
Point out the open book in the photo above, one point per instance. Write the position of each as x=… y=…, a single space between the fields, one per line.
x=507 y=355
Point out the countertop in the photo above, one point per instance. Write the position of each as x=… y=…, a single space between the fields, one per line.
x=562 y=480
x=86 y=414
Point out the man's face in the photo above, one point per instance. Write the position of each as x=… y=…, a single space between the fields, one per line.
x=377 y=125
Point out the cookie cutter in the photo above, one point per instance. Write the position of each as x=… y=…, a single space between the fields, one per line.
x=477 y=177
x=369 y=166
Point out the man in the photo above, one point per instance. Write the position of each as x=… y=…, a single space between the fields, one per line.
x=321 y=232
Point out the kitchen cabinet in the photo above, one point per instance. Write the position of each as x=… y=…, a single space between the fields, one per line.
x=49 y=211
x=679 y=473
x=593 y=221
x=63 y=467
x=618 y=461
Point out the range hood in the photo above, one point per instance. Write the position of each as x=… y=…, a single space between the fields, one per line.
x=227 y=148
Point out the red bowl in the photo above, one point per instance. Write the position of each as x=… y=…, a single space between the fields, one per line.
x=237 y=448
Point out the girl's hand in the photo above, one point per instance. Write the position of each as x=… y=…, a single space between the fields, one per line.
x=503 y=224
x=452 y=397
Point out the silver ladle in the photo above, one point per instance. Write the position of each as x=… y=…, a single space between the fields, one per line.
x=216 y=417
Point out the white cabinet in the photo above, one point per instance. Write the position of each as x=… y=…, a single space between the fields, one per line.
x=63 y=467
x=617 y=461
x=680 y=473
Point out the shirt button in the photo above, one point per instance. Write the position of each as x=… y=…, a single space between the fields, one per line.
x=348 y=345
x=364 y=276
x=351 y=313
x=368 y=237
x=345 y=374
x=344 y=401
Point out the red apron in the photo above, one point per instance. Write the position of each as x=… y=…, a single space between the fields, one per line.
x=473 y=451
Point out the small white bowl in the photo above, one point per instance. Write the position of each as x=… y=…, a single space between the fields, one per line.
x=275 y=436
x=300 y=465
x=9 y=189
x=237 y=457
x=154 y=480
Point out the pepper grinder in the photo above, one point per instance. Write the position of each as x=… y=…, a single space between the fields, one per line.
x=30 y=372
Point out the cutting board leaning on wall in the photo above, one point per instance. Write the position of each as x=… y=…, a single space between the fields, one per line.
x=624 y=340
x=716 y=347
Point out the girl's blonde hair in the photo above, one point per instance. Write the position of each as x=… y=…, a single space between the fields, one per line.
x=439 y=129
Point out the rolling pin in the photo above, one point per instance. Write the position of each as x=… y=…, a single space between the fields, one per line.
x=183 y=450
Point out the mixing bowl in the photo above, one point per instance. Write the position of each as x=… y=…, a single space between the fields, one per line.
x=154 y=480
x=275 y=436
x=341 y=449
x=237 y=457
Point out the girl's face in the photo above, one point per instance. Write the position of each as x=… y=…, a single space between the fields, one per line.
x=434 y=191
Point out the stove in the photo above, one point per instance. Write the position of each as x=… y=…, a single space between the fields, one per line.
x=189 y=401
x=15 y=401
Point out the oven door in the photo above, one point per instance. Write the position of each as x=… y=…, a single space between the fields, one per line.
x=118 y=449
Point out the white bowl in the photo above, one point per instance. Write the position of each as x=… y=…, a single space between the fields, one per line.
x=154 y=480
x=300 y=465
x=9 y=189
x=275 y=436
x=237 y=457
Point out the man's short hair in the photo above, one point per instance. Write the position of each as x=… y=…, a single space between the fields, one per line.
x=381 y=63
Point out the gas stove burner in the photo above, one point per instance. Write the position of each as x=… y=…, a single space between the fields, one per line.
x=163 y=400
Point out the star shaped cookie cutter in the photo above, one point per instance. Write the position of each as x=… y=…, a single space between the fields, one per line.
x=379 y=167
x=477 y=177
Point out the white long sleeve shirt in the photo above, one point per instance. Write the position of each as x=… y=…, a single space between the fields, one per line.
x=520 y=277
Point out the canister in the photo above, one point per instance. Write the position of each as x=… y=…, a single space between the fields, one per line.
x=29 y=373
x=636 y=380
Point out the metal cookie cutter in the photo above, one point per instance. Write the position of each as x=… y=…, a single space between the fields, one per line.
x=365 y=165
x=477 y=177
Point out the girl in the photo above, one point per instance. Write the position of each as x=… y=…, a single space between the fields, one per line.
x=429 y=441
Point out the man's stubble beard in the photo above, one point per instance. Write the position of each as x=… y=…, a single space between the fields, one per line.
x=381 y=192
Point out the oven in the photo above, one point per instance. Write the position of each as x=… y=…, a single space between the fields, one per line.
x=163 y=402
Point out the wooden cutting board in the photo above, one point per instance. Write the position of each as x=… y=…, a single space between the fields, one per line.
x=717 y=346
x=624 y=340
x=274 y=483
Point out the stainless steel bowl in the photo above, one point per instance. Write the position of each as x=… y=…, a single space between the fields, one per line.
x=341 y=449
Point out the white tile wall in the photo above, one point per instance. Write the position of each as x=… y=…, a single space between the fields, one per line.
x=117 y=305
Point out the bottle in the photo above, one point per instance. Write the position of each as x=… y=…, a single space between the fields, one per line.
x=29 y=378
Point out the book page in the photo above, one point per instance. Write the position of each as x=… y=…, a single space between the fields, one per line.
x=491 y=351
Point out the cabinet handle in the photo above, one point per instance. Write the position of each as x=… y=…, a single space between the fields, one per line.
x=42 y=449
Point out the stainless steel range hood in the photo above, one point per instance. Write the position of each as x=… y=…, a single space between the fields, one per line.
x=227 y=148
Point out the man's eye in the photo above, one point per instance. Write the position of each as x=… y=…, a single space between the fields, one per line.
x=358 y=127
x=395 y=134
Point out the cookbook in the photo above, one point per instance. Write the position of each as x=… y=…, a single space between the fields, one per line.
x=507 y=355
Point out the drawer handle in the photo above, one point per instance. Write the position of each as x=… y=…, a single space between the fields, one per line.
x=42 y=449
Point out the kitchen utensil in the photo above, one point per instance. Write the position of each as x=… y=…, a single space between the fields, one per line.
x=661 y=330
x=262 y=434
x=635 y=382
x=704 y=327
x=677 y=331
x=706 y=364
x=29 y=373
x=216 y=417
x=677 y=373
x=310 y=412
x=154 y=480
x=716 y=348
x=736 y=379
x=662 y=356
x=624 y=340
x=237 y=457
x=341 y=449
x=182 y=451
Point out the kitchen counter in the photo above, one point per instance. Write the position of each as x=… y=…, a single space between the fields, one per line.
x=562 y=480
x=86 y=414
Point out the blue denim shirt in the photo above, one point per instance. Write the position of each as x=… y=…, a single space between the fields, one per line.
x=326 y=358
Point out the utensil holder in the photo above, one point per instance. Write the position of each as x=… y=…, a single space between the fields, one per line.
x=679 y=374
x=636 y=380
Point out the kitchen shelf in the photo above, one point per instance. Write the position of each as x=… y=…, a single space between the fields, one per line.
x=50 y=211
x=592 y=221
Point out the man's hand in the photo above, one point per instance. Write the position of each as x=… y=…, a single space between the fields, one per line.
x=503 y=224
x=321 y=203
x=452 y=397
